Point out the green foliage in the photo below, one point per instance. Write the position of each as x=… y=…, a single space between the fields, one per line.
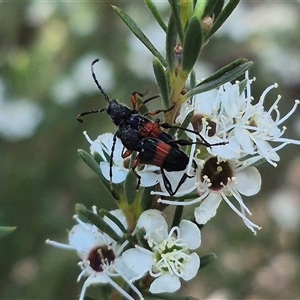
x=207 y=259
x=91 y=162
x=97 y=221
x=153 y=9
x=139 y=34
x=130 y=187
x=162 y=81
x=192 y=44
x=225 y=74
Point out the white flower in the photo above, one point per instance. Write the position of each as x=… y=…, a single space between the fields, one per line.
x=254 y=127
x=210 y=121
x=168 y=258
x=217 y=180
x=228 y=115
x=100 y=255
x=103 y=145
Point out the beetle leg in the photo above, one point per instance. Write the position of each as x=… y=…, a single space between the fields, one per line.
x=184 y=142
x=182 y=180
x=134 y=100
x=126 y=152
x=110 y=167
x=155 y=112
x=168 y=185
x=167 y=182
x=135 y=164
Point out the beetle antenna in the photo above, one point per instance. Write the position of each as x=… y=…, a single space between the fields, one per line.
x=88 y=113
x=97 y=82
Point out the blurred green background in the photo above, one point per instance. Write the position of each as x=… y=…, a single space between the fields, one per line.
x=45 y=53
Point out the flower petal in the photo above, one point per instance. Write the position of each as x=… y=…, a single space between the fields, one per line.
x=84 y=238
x=154 y=224
x=138 y=261
x=119 y=174
x=230 y=150
x=243 y=137
x=248 y=181
x=165 y=284
x=208 y=208
x=207 y=102
x=121 y=267
x=149 y=178
x=191 y=267
x=190 y=234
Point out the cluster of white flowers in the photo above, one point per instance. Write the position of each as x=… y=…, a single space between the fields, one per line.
x=225 y=171
x=242 y=134
x=225 y=115
x=167 y=259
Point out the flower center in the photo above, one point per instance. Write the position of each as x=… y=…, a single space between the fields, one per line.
x=198 y=123
x=170 y=256
x=101 y=256
x=216 y=174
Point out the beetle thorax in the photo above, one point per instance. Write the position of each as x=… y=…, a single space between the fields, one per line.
x=118 y=112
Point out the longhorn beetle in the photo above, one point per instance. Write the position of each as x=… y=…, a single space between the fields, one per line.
x=141 y=134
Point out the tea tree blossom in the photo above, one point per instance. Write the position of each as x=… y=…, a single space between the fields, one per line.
x=229 y=115
x=120 y=168
x=168 y=257
x=217 y=180
x=100 y=255
x=228 y=171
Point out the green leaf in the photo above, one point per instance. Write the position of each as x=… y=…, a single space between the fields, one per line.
x=209 y=8
x=140 y=238
x=192 y=44
x=186 y=11
x=214 y=81
x=223 y=71
x=146 y=198
x=242 y=85
x=97 y=221
x=175 y=7
x=6 y=230
x=139 y=34
x=90 y=161
x=192 y=79
x=185 y=123
x=200 y=8
x=98 y=158
x=179 y=128
x=162 y=82
x=153 y=9
x=207 y=259
x=103 y=212
x=218 y=9
x=226 y=12
x=130 y=187
x=171 y=40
